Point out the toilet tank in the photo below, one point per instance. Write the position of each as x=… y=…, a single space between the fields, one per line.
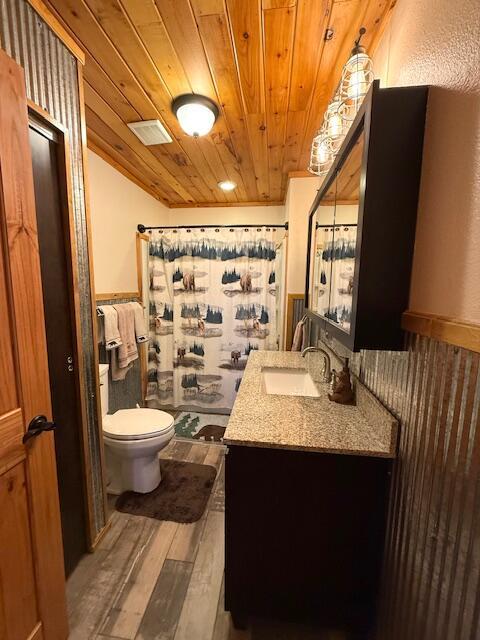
x=103 y=369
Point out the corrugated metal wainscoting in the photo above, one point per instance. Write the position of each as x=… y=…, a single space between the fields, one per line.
x=431 y=582
x=52 y=83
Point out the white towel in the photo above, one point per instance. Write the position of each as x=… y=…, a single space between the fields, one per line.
x=140 y=328
x=122 y=358
x=111 y=332
x=299 y=336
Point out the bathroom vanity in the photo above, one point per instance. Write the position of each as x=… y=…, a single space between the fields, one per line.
x=307 y=484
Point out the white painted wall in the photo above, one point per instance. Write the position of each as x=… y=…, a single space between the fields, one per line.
x=435 y=42
x=300 y=195
x=117 y=205
x=227 y=215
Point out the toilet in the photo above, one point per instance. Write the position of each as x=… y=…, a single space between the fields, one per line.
x=133 y=438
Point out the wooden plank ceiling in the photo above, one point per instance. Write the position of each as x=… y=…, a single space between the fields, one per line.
x=270 y=65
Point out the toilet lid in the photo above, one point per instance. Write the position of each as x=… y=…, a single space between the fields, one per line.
x=136 y=424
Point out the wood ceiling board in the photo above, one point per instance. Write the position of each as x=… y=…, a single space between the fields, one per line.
x=311 y=24
x=148 y=23
x=246 y=26
x=218 y=46
x=86 y=30
x=115 y=23
x=232 y=168
x=209 y=7
x=101 y=82
x=279 y=29
x=348 y=179
x=257 y=133
x=278 y=4
x=296 y=121
x=180 y=23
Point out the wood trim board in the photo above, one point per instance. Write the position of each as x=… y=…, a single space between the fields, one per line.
x=117 y=295
x=199 y=205
x=444 y=329
x=142 y=237
x=291 y=297
x=93 y=534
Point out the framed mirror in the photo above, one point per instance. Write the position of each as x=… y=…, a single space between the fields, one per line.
x=362 y=223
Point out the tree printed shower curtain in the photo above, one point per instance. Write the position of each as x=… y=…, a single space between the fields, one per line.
x=334 y=269
x=212 y=301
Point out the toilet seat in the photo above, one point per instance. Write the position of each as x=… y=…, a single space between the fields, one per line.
x=137 y=424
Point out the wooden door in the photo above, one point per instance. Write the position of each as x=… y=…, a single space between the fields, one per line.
x=32 y=582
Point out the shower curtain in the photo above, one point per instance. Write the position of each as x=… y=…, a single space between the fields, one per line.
x=212 y=301
x=341 y=253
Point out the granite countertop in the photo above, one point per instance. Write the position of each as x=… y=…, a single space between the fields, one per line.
x=307 y=424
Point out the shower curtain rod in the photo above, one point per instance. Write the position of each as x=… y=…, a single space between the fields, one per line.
x=142 y=228
x=337 y=224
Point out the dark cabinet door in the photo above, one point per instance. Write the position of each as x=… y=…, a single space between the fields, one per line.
x=304 y=535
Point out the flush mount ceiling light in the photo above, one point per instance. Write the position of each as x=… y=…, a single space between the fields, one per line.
x=227 y=185
x=357 y=76
x=196 y=114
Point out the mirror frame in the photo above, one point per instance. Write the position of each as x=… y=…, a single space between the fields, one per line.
x=359 y=125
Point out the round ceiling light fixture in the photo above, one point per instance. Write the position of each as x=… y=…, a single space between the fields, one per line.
x=227 y=185
x=196 y=114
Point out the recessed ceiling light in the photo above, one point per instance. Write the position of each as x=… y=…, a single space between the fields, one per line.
x=227 y=185
x=196 y=114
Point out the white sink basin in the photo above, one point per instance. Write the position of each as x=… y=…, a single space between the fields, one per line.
x=289 y=382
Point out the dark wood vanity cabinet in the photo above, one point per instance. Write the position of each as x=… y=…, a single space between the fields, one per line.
x=304 y=535
x=362 y=223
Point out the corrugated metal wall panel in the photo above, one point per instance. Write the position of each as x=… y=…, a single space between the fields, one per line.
x=432 y=554
x=52 y=83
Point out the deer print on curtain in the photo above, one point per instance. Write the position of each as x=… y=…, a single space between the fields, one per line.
x=212 y=301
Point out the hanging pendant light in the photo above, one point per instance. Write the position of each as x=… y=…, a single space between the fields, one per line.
x=195 y=114
x=357 y=76
x=321 y=157
x=328 y=140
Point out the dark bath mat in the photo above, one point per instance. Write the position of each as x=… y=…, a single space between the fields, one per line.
x=181 y=496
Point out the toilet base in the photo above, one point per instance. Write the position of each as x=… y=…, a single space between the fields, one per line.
x=134 y=465
x=141 y=475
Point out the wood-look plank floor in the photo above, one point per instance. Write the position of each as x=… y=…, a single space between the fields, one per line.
x=153 y=580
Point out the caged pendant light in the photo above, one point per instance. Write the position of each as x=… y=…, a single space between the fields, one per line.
x=328 y=140
x=357 y=76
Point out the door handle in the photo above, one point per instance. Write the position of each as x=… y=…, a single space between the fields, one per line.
x=38 y=425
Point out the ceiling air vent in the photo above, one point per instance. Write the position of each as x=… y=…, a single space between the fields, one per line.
x=150 y=132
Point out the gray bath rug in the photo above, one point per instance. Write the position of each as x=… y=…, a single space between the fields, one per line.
x=201 y=426
x=181 y=496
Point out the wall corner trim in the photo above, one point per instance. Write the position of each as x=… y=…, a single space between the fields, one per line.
x=47 y=16
x=450 y=330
